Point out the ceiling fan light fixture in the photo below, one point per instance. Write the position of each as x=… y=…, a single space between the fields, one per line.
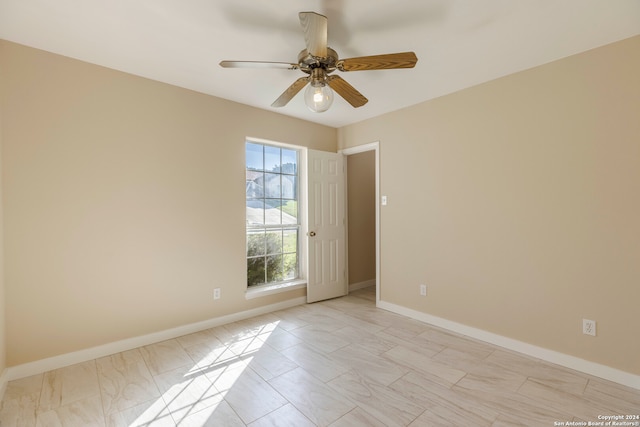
x=318 y=96
x=318 y=61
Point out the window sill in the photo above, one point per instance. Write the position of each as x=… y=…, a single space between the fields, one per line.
x=262 y=291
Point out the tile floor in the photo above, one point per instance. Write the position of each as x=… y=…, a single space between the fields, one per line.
x=337 y=363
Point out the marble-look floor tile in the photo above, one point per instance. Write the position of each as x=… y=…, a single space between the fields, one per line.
x=542 y=372
x=373 y=315
x=79 y=413
x=365 y=364
x=514 y=406
x=165 y=356
x=488 y=382
x=253 y=327
x=212 y=357
x=206 y=336
x=269 y=363
x=343 y=319
x=458 y=359
x=24 y=386
x=321 y=340
x=321 y=321
x=423 y=346
x=442 y=417
x=406 y=330
x=349 y=304
x=119 y=360
x=467 y=345
x=431 y=395
x=20 y=411
x=616 y=397
x=320 y=365
x=220 y=415
x=289 y=319
x=383 y=403
x=125 y=382
x=185 y=392
x=561 y=400
x=501 y=421
x=67 y=385
x=358 y=418
x=341 y=363
x=286 y=416
x=368 y=293
x=439 y=372
x=366 y=340
x=246 y=346
x=248 y=394
x=280 y=339
x=147 y=414
x=318 y=402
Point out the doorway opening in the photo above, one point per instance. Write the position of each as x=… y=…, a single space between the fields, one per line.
x=363 y=216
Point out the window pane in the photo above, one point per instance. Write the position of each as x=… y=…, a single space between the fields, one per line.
x=255 y=212
x=290 y=266
x=272 y=186
x=255 y=271
x=272 y=214
x=255 y=243
x=290 y=240
x=274 y=268
x=255 y=184
x=289 y=161
x=274 y=242
x=271 y=159
x=289 y=212
x=255 y=158
x=289 y=189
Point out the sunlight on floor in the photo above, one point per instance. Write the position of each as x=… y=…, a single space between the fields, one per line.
x=201 y=390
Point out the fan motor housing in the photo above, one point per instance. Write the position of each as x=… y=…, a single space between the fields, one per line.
x=308 y=62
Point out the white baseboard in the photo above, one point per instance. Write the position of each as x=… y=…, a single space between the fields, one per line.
x=572 y=362
x=56 y=362
x=361 y=285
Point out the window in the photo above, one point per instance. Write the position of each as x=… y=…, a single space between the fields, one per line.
x=272 y=214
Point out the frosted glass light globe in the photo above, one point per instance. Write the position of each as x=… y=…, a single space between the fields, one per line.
x=318 y=96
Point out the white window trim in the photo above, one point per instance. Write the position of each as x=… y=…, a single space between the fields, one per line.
x=264 y=290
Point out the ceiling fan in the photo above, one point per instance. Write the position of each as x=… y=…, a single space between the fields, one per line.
x=318 y=61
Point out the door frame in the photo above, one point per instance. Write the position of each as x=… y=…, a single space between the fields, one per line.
x=372 y=146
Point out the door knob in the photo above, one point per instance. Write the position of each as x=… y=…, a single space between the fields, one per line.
x=312 y=234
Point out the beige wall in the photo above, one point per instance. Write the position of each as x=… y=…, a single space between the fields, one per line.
x=124 y=203
x=3 y=340
x=361 y=190
x=517 y=202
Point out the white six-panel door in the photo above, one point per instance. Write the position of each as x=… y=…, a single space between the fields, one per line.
x=326 y=226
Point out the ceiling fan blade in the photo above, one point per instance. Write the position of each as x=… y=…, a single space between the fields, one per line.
x=315 y=33
x=348 y=92
x=258 y=64
x=378 y=62
x=291 y=91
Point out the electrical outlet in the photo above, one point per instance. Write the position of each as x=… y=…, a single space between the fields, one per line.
x=589 y=327
x=216 y=293
x=423 y=290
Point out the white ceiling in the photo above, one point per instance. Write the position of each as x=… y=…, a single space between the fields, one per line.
x=459 y=43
